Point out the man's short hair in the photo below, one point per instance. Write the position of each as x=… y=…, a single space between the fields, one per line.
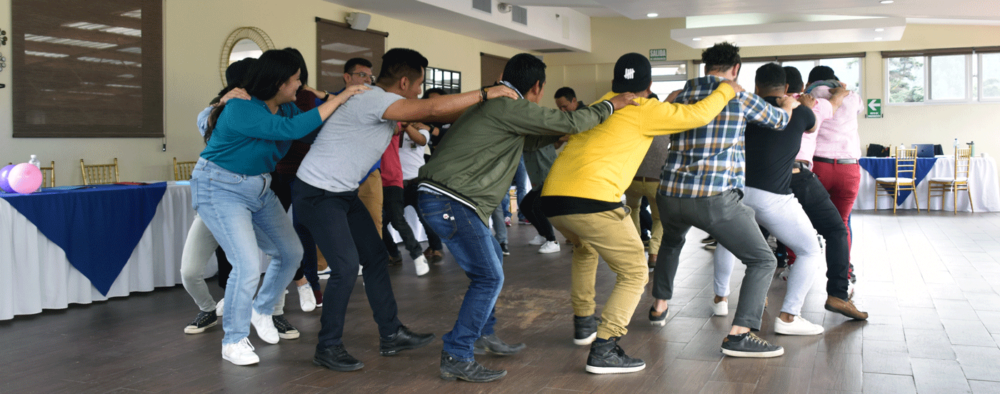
x=358 y=61
x=401 y=62
x=566 y=93
x=523 y=71
x=721 y=57
x=822 y=73
x=439 y=91
x=771 y=76
x=794 y=79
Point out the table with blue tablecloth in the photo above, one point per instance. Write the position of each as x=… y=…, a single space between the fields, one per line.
x=983 y=181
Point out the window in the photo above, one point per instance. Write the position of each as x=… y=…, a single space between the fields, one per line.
x=87 y=69
x=748 y=73
x=436 y=78
x=906 y=79
x=668 y=77
x=948 y=79
x=956 y=75
x=847 y=67
x=989 y=76
x=336 y=43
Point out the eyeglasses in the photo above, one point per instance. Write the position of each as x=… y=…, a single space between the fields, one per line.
x=363 y=75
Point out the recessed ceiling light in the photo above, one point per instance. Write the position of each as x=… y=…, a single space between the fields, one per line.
x=886 y=2
x=880 y=30
x=878 y=38
x=697 y=38
x=652 y=15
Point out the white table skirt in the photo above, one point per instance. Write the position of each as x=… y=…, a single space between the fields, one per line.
x=983 y=184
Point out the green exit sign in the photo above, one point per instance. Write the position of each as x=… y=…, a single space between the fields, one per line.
x=657 y=55
x=874 y=108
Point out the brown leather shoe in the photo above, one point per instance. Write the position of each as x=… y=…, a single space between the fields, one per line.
x=846 y=308
x=652 y=261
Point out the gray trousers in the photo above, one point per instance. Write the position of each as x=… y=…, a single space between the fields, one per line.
x=732 y=224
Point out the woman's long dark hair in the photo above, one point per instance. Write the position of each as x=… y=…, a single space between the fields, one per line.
x=262 y=80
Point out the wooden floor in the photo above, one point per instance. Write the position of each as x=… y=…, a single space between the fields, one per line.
x=930 y=281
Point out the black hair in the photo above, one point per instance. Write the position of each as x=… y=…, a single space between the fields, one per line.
x=721 y=57
x=401 y=62
x=428 y=92
x=269 y=72
x=822 y=73
x=349 y=66
x=566 y=93
x=523 y=71
x=653 y=96
x=794 y=79
x=771 y=76
x=303 y=70
x=235 y=74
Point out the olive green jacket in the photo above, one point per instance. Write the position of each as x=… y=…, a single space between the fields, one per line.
x=475 y=162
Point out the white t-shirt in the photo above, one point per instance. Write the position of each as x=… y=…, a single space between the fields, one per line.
x=411 y=155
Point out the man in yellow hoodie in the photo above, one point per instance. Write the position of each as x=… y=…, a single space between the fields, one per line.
x=582 y=197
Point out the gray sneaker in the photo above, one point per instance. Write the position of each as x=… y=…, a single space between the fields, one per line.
x=749 y=345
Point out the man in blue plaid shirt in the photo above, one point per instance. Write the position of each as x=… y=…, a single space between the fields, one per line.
x=702 y=186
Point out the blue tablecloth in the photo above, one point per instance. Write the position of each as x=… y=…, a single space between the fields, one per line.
x=97 y=226
x=885 y=167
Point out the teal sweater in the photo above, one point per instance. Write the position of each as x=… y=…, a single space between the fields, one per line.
x=248 y=139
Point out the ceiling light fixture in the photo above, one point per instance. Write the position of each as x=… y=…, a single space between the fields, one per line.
x=880 y=30
x=886 y=2
x=697 y=38
x=652 y=15
x=878 y=38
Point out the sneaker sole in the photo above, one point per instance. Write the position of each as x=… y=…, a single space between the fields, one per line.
x=336 y=368
x=289 y=335
x=832 y=309
x=736 y=353
x=587 y=340
x=241 y=363
x=394 y=352
x=451 y=378
x=609 y=370
x=799 y=333
x=195 y=330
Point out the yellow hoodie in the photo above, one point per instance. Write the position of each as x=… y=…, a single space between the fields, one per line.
x=599 y=164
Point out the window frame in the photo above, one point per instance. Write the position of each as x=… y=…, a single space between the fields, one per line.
x=980 y=80
x=430 y=85
x=671 y=78
x=970 y=82
x=861 y=56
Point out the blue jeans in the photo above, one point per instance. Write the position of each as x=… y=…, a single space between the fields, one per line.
x=243 y=214
x=499 y=226
x=475 y=250
x=523 y=185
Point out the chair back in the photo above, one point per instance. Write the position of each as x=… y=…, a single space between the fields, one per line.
x=49 y=173
x=182 y=169
x=963 y=163
x=99 y=174
x=906 y=163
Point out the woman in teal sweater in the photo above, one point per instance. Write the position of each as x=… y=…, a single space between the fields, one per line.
x=229 y=188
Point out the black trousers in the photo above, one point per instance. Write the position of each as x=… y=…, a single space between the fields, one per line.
x=281 y=185
x=410 y=200
x=346 y=235
x=224 y=267
x=532 y=209
x=645 y=220
x=392 y=212
x=827 y=221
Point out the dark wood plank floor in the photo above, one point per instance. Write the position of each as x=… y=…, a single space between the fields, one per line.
x=930 y=281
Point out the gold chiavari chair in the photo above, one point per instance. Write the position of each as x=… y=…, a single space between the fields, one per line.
x=99 y=174
x=955 y=184
x=905 y=179
x=49 y=173
x=182 y=169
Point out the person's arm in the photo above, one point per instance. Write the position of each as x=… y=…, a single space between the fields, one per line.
x=669 y=118
x=805 y=116
x=534 y=143
x=760 y=112
x=203 y=119
x=838 y=97
x=418 y=133
x=526 y=118
x=810 y=102
x=442 y=109
x=326 y=109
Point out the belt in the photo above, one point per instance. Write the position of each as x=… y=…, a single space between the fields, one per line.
x=835 y=161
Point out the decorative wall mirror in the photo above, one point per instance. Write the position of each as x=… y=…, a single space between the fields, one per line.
x=242 y=43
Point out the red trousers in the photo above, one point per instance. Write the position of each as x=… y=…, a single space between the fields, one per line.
x=842 y=182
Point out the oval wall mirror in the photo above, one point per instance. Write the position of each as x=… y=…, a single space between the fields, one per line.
x=242 y=43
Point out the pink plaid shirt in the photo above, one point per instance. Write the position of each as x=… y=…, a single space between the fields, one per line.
x=837 y=138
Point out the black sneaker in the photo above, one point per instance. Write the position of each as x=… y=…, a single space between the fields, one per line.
x=660 y=320
x=711 y=245
x=403 y=339
x=337 y=359
x=494 y=345
x=585 y=329
x=607 y=357
x=503 y=247
x=285 y=329
x=398 y=260
x=749 y=345
x=708 y=240
x=202 y=323
x=469 y=371
x=850 y=273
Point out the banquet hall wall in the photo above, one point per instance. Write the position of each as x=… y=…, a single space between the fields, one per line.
x=194 y=32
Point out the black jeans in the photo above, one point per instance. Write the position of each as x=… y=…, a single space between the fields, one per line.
x=392 y=212
x=281 y=185
x=346 y=235
x=533 y=212
x=224 y=267
x=827 y=221
x=645 y=220
x=410 y=200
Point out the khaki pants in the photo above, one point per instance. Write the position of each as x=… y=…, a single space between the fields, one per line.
x=612 y=236
x=370 y=194
x=633 y=198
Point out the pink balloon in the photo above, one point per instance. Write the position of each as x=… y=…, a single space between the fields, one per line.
x=3 y=179
x=25 y=178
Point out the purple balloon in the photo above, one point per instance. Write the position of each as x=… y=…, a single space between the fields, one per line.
x=3 y=179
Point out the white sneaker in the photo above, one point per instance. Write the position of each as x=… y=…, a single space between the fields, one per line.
x=265 y=327
x=360 y=270
x=537 y=241
x=421 y=264
x=549 y=247
x=798 y=326
x=220 y=307
x=307 y=300
x=720 y=308
x=324 y=274
x=240 y=353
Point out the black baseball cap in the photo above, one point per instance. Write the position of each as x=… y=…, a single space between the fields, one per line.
x=822 y=73
x=632 y=73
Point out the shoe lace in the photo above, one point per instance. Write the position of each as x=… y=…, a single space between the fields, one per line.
x=753 y=337
x=281 y=324
x=201 y=318
x=244 y=344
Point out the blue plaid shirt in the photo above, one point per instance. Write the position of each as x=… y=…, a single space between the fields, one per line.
x=709 y=160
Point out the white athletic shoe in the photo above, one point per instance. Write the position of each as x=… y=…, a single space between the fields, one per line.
x=720 y=308
x=798 y=326
x=549 y=247
x=265 y=327
x=307 y=300
x=219 y=307
x=421 y=264
x=360 y=269
x=240 y=353
x=537 y=241
x=324 y=274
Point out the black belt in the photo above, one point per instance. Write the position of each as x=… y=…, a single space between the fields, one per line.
x=835 y=161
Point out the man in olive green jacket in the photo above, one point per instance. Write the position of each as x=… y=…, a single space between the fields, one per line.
x=472 y=169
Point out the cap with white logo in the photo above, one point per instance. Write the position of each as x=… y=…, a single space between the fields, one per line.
x=632 y=73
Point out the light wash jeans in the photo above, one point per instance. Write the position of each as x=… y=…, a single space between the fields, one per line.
x=243 y=214
x=499 y=227
x=784 y=218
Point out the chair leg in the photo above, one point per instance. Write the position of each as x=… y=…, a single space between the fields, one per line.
x=876 y=196
x=916 y=198
x=930 y=186
x=968 y=192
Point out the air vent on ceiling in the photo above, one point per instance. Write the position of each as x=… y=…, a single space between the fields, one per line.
x=483 y=5
x=553 y=50
x=520 y=15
